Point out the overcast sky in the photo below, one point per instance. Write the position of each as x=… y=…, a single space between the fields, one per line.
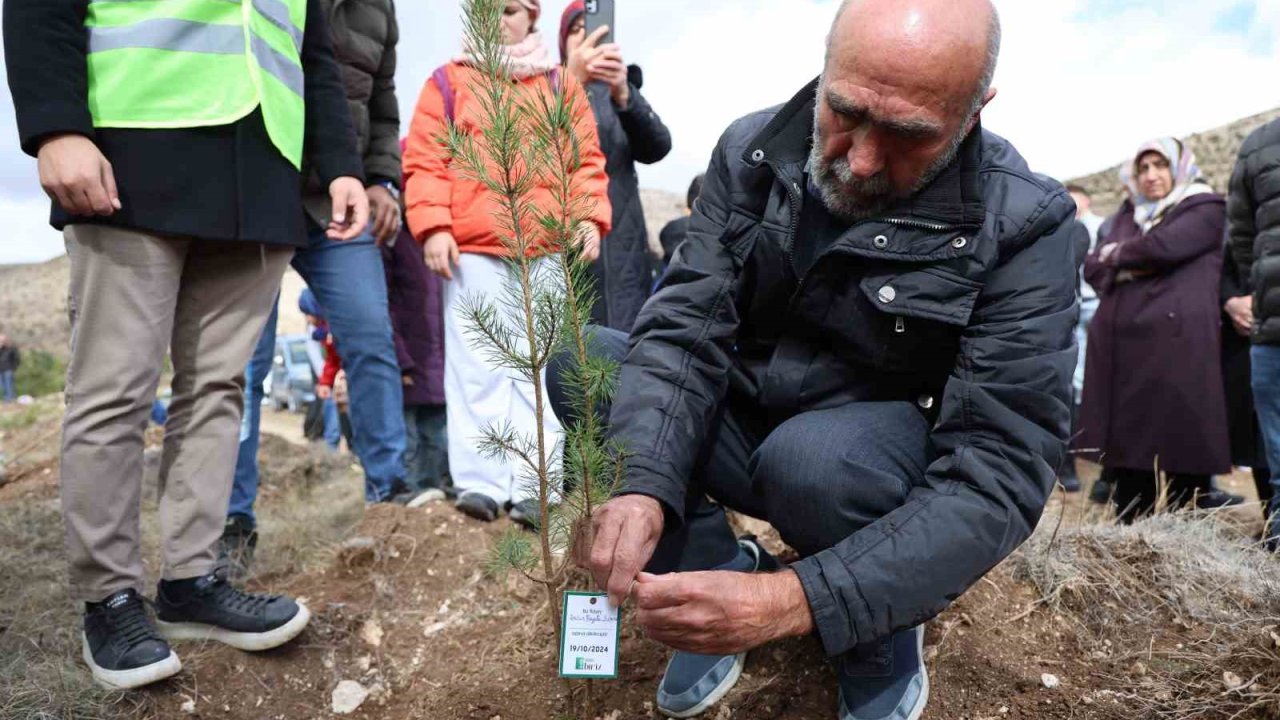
x=1081 y=82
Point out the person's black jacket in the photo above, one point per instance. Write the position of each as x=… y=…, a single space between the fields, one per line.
x=10 y=358
x=630 y=135
x=1253 y=214
x=220 y=183
x=961 y=300
x=364 y=36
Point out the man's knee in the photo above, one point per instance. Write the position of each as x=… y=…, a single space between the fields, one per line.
x=824 y=475
x=602 y=343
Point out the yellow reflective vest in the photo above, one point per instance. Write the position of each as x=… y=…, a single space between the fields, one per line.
x=196 y=63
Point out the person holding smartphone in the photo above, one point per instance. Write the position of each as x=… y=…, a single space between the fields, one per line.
x=630 y=132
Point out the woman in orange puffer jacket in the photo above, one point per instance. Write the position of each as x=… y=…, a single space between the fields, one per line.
x=456 y=220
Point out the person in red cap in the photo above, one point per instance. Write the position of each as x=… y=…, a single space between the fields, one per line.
x=630 y=132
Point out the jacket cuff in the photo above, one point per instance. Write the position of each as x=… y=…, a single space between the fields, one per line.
x=647 y=478
x=38 y=123
x=835 y=601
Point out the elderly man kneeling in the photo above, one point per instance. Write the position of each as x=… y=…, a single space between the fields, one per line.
x=866 y=340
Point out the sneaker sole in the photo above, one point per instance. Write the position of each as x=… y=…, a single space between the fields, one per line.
x=130 y=679
x=716 y=695
x=249 y=642
x=430 y=496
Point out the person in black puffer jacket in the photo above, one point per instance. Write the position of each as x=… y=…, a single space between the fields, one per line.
x=630 y=132
x=1253 y=214
x=867 y=340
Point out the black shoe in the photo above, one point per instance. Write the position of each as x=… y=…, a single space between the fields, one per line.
x=210 y=608
x=1101 y=492
x=237 y=546
x=1070 y=483
x=1217 y=498
x=121 y=645
x=478 y=506
x=526 y=514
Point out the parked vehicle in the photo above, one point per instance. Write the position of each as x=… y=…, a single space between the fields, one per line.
x=293 y=383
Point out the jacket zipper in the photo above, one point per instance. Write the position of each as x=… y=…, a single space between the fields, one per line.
x=918 y=224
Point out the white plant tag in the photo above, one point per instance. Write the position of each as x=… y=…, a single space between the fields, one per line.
x=588 y=636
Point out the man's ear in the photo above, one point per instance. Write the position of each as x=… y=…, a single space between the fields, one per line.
x=973 y=121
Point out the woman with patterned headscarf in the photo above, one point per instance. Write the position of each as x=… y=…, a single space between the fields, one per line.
x=1153 y=399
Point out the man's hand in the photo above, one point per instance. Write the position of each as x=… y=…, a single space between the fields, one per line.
x=588 y=238
x=385 y=211
x=441 y=253
x=324 y=392
x=1240 y=310
x=721 y=613
x=350 y=209
x=624 y=533
x=74 y=172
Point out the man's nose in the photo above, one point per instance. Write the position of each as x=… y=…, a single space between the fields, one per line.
x=866 y=156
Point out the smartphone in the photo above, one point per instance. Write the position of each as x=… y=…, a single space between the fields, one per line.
x=600 y=13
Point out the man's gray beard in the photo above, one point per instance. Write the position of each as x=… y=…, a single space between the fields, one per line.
x=853 y=199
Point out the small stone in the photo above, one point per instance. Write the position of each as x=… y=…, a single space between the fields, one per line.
x=348 y=696
x=1049 y=680
x=371 y=632
x=364 y=663
x=1232 y=680
x=1004 y=710
x=434 y=628
x=189 y=706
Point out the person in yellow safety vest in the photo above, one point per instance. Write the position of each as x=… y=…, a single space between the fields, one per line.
x=171 y=137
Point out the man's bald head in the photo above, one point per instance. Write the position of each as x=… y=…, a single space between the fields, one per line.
x=961 y=37
x=902 y=87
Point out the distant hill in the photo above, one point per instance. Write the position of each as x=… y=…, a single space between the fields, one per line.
x=1215 y=151
x=33 y=298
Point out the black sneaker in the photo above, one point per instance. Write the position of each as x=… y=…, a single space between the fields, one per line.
x=210 y=608
x=236 y=547
x=526 y=514
x=1217 y=498
x=121 y=645
x=478 y=506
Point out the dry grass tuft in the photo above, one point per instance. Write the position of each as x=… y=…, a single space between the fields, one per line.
x=1178 y=600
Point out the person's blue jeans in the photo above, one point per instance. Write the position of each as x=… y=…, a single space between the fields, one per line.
x=350 y=284
x=332 y=425
x=1266 y=399
x=6 y=385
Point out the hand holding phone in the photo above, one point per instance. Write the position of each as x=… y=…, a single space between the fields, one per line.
x=600 y=14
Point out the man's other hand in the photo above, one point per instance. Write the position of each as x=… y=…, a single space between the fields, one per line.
x=721 y=612
x=624 y=533
x=74 y=172
x=350 y=209
x=385 y=211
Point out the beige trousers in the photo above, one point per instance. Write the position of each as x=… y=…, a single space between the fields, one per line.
x=134 y=295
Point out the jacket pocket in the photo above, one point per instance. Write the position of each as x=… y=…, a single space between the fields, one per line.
x=919 y=317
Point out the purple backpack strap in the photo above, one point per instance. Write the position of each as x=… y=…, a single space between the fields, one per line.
x=441 y=76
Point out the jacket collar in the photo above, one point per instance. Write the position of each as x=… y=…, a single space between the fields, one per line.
x=953 y=198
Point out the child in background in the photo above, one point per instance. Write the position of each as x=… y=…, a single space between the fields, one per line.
x=454 y=218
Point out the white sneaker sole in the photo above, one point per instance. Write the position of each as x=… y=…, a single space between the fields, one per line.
x=249 y=642
x=130 y=679
x=716 y=695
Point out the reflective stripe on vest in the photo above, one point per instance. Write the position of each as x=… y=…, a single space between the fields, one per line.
x=181 y=63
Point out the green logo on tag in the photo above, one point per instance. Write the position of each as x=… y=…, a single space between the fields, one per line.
x=582 y=664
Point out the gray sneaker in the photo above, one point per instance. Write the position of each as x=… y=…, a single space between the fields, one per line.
x=886 y=682
x=693 y=683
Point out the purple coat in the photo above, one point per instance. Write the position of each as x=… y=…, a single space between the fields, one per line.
x=1153 y=378
x=415 y=297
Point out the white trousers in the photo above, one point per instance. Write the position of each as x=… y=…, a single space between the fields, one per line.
x=481 y=396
